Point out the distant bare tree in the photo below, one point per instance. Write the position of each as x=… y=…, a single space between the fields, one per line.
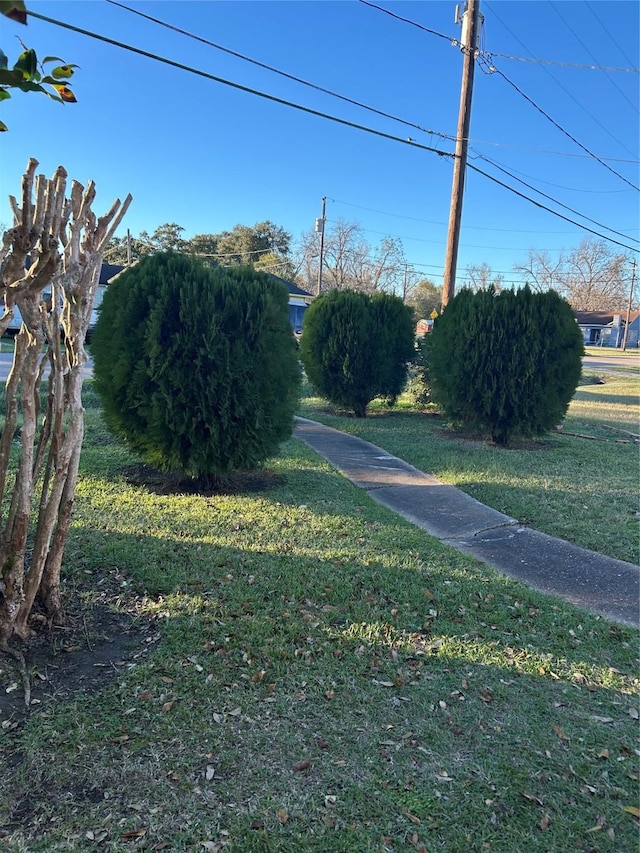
x=349 y=261
x=595 y=277
x=540 y=272
x=481 y=277
x=592 y=277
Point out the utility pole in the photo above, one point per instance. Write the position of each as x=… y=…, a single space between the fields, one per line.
x=626 y=325
x=470 y=33
x=320 y=227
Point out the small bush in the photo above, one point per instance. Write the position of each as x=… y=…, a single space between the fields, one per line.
x=196 y=367
x=355 y=347
x=507 y=362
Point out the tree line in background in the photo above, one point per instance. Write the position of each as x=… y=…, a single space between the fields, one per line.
x=591 y=277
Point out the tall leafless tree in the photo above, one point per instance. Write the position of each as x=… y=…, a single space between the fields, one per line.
x=591 y=277
x=349 y=261
x=481 y=277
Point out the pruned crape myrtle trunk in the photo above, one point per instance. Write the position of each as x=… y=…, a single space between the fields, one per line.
x=56 y=244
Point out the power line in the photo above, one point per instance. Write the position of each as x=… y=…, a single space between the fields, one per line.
x=406 y=141
x=610 y=79
x=465 y=227
x=209 y=43
x=311 y=85
x=474 y=245
x=544 y=207
x=565 y=64
x=564 y=88
x=493 y=70
x=207 y=76
x=593 y=12
x=555 y=200
x=278 y=71
x=456 y=43
x=560 y=186
x=450 y=39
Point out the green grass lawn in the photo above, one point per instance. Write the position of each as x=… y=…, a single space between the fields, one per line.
x=580 y=484
x=319 y=676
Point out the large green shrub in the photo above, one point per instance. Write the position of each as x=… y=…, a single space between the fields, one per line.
x=355 y=347
x=196 y=367
x=508 y=363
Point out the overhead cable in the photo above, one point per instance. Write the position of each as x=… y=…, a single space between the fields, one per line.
x=406 y=141
x=602 y=25
x=554 y=200
x=456 y=42
x=450 y=39
x=586 y=48
x=278 y=71
x=544 y=207
x=435 y=222
x=597 y=121
x=493 y=70
x=207 y=76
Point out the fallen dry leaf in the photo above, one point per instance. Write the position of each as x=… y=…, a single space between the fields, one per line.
x=411 y=817
x=283 y=816
x=632 y=810
x=633 y=713
x=561 y=733
x=133 y=833
x=301 y=765
x=532 y=798
x=544 y=822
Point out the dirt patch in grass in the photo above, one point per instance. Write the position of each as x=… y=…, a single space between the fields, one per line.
x=97 y=641
x=238 y=482
x=477 y=439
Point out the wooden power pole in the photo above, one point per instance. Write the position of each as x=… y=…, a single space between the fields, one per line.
x=470 y=33
x=320 y=227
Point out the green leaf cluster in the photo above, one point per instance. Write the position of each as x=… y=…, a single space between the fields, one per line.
x=356 y=347
x=196 y=367
x=505 y=362
x=28 y=75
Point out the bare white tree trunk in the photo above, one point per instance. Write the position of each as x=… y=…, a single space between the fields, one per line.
x=64 y=242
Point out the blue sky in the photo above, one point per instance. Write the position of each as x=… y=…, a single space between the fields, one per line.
x=208 y=156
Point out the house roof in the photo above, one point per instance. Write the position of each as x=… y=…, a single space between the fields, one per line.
x=603 y=318
x=293 y=289
x=107 y=271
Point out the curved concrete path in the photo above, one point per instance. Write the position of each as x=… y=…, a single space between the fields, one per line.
x=605 y=586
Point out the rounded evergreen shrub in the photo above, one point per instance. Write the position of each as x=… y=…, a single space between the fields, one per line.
x=355 y=347
x=394 y=333
x=196 y=367
x=508 y=363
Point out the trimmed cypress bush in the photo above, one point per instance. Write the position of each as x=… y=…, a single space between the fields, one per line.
x=508 y=363
x=196 y=367
x=394 y=332
x=355 y=347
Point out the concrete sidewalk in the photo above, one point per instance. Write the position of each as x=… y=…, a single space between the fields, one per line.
x=605 y=586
